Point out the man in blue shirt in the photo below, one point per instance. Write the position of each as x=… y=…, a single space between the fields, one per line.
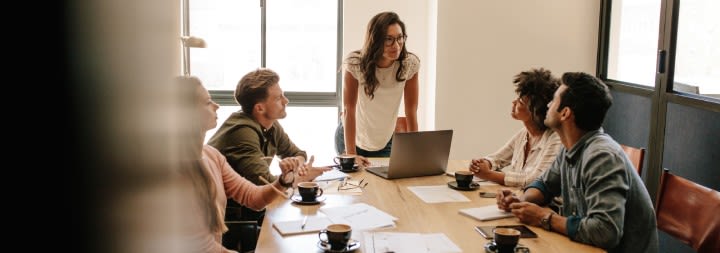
x=605 y=202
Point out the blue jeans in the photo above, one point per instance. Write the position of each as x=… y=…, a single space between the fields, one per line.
x=340 y=145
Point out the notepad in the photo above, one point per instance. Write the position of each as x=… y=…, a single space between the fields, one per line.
x=485 y=213
x=293 y=227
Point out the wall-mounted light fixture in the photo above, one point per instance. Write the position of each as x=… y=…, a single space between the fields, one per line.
x=188 y=42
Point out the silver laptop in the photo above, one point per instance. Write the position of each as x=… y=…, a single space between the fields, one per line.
x=416 y=154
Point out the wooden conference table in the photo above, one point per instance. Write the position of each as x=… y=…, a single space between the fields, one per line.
x=414 y=216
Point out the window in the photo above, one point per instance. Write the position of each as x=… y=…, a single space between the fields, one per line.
x=299 y=40
x=697 y=56
x=232 y=32
x=660 y=59
x=633 y=45
x=302 y=43
x=633 y=41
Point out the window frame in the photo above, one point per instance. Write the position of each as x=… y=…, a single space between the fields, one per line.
x=662 y=94
x=297 y=98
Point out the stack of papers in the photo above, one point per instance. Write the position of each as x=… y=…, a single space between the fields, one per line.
x=490 y=212
x=381 y=242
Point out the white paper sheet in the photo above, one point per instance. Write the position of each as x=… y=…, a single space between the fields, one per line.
x=437 y=194
x=359 y=216
x=331 y=175
x=484 y=213
x=381 y=242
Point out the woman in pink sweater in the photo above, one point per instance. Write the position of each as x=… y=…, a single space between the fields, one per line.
x=210 y=177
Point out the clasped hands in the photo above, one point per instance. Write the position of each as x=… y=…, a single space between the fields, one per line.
x=526 y=212
x=480 y=167
x=291 y=166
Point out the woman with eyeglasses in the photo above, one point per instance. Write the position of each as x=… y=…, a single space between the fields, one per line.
x=531 y=150
x=376 y=78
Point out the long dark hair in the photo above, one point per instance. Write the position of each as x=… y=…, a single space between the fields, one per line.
x=192 y=167
x=374 y=47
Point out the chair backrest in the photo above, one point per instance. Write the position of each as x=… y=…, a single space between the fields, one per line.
x=243 y=227
x=689 y=212
x=636 y=155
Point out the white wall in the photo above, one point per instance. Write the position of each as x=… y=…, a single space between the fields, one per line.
x=483 y=44
x=470 y=51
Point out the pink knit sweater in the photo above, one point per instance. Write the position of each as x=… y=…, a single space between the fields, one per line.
x=229 y=185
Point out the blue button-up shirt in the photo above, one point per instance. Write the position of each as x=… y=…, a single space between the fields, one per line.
x=604 y=199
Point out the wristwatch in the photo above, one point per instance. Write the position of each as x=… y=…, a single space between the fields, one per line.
x=286 y=184
x=546 y=222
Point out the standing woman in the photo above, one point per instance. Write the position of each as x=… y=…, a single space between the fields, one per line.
x=376 y=78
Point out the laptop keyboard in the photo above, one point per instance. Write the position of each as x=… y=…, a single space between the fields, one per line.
x=379 y=163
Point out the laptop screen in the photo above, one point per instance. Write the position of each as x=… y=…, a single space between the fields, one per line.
x=416 y=154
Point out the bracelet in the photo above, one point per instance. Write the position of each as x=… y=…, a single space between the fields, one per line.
x=286 y=185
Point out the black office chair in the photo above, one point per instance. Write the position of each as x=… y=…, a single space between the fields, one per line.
x=244 y=226
x=241 y=236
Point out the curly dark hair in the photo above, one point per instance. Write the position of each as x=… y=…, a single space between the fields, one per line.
x=374 y=47
x=538 y=85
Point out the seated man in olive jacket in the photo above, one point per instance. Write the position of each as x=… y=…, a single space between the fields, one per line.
x=252 y=137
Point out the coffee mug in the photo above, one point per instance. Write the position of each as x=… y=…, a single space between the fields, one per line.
x=463 y=178
x=346 y=162
x=336 y=235
x=506 y=240
x=309 y=191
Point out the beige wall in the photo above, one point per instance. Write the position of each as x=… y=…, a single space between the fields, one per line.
x=481 y=46
x=471 y=50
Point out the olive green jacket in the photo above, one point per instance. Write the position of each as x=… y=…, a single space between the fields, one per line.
x=244 y=143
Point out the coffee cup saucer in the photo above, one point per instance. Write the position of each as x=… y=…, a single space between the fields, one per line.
x=352 y=245
x=473 y=186
x=297 y=199
x=355 y=168
x=491 y=248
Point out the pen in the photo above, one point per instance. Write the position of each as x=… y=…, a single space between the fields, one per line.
x=304 y=222
x=276 y=189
